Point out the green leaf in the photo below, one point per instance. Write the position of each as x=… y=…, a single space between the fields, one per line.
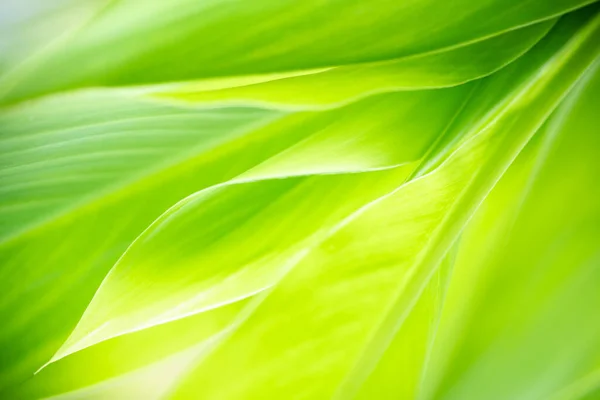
x=521 y=316
x=299 y=199
x=83 y=174
x=138 y=365
x=442 y=68
x=324 y=323
x=149 y=42
x=259 y=234
x=73 y=149
x=324 y=306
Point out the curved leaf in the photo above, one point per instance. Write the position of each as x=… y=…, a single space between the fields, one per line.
x=416 y=224
x=78 y=170
x=349 y=335
x=319 y=198
x=118 y=365
x=447 y=67
x=521 y=316
x=148 y=42
x=277 y=206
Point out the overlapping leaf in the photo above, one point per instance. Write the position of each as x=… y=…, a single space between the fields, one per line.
x=233 y=237
x=148 y=42
x=305 y=206
x=521 y=316
x=108 y=163
x=453 y=190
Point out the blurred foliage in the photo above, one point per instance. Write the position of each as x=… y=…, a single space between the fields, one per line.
x=300 y=199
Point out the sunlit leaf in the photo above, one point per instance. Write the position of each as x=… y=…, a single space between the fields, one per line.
x=299 y=199
x=108 y=163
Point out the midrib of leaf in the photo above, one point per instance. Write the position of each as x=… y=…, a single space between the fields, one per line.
x=463 y=209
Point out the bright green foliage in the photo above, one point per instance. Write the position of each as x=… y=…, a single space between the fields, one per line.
x=333 y=199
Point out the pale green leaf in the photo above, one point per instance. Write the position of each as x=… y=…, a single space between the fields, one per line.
x=280 y=203
x=521 y=316
x=117 y=364
x=233 y=237
x=325 y=308
x=83 y=174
